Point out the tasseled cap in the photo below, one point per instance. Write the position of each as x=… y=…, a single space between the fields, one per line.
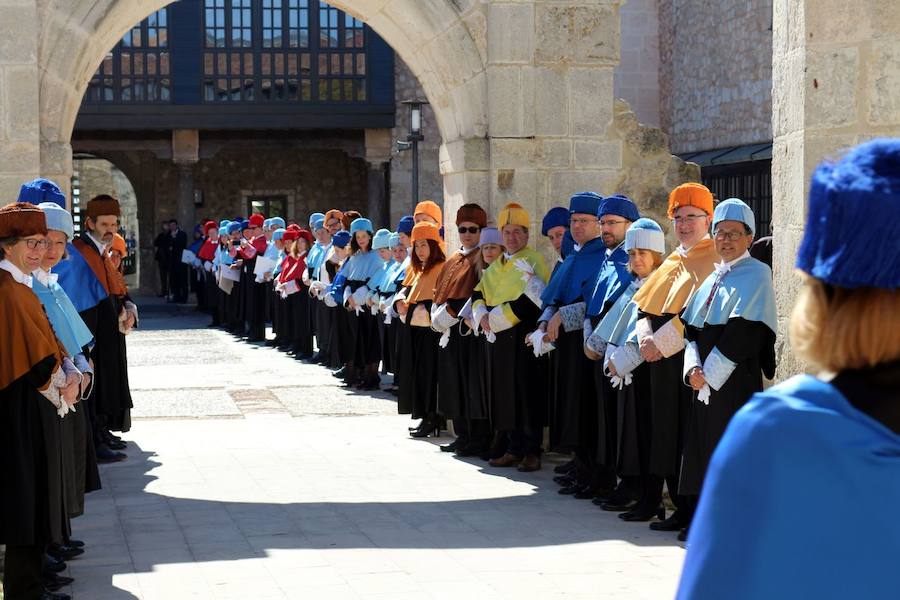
x=290 y=235
x=334 y=214
x=691 y=194
x=645 y=234
x=427 y=207
x=278 y=234
x=382 y=239
x=513 y=214
x=471 y=213
x=558 y=216
x=22 y=219
x=734 y=209
x=315 y=217
x=491 y=235
x=103 y=205
x=620 y=206
x=426 y=231
x=58 y=219
x=361 y=224
x=349 y=217
x=587 y=203
x=852 y=235
x=276 y=222
x=209 y=225
x=394 y=240
x=257 y=220
x=41 y=190
x=341 y=239
x=234 y=227
x=307 y=235
x=406 y=224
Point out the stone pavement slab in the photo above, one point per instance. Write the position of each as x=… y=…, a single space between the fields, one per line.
x=253 y=476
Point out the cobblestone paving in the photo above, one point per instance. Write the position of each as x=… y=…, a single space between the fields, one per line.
x=226 y=495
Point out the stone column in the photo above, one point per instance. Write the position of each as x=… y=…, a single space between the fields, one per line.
x=835 y=83
x=20 y=152
x=378 y=155
x=185 y=154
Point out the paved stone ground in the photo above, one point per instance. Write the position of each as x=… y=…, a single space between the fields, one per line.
x=227 y=495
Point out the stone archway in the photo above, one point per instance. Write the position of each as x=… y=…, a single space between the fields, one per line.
x=522 y=92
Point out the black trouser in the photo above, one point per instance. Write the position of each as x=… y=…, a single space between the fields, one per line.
x=22 y=572
x=178 y=282
x=523 y=442
x=475 y=432
x=164 y=278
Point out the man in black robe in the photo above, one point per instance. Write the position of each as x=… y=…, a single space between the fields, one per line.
x=178 y=271
x=162 y=248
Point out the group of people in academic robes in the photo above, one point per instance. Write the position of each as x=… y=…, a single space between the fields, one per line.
x=63 y=378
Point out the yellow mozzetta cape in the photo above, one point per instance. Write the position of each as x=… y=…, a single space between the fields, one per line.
x=502 y=282
x=668 y=289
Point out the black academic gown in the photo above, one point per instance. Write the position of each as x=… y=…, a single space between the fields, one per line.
x=418 y=395
x=453 y=369
x=300 y=332
x=750 y=344
x=367 y=344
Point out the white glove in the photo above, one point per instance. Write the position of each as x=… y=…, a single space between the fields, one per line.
x=445 y=339
x=208 y=266
x=524 y=267
x=703 y=394
x=490 y=336
x=619 y=382
x=289 y=287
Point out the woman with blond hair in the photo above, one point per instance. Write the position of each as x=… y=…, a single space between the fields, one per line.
x=801 y=494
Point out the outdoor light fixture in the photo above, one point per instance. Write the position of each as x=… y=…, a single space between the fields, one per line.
x=415 y=136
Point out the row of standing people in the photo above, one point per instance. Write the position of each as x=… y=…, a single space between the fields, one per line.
x=63 y=378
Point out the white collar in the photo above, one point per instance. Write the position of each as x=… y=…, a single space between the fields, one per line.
x=684 y=251
x=465 y=252
x=45 y=277
x=639 y=282
x=98 y=243
x=723 y=267
x=609 y=251
x=16 y=273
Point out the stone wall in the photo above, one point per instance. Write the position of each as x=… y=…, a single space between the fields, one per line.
x=837 y=83
x=636 y=79
x=716 y=72
x=431 y=184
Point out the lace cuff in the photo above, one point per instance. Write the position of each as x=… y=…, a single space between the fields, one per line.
x=572 y=316
x=359 y=296
x=441 y=319
x=626 y=359
x=479 y=310
x=691 y=360
x=57 y=381
x=717 y=369
x=533 y=289
x=595 y=343
x=643 y=329
x=669 y=338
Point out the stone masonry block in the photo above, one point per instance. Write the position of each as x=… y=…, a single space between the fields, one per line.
x=565 y=183
x=832 y=84
x=20 y=157
x=598 y=155
x=514 y=153
x=19 y=91
x=577 y=34
x=511 y=101
x=590 y=100
x=18 y=34
x=510 y=33
x=551 y=101
x=555 y=153
x=883 y=85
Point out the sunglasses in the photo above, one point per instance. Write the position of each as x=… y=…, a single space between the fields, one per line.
x=469 y=229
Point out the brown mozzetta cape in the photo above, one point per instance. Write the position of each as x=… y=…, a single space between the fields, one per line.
x=423 y=285
x=113 y=281
x=24 y=325
x=458 y=278
x=667 y=290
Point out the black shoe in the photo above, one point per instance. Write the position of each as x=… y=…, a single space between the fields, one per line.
x=64 y=553
x=565 y=480
x=48 y=595
x=273 y=343
x=451 y=447
x=53 y=565
x=673 y=523
x=116 y=445
x=643 y=513
x=75 y=543
x=54 y=582
x=570 y=490
x=683 y=535
x=340 y=373
x=471 y=449
x=588 y=492
x=616 y=507
x=566 y=467
x=301 y=356
x=105 y=455
x=620 y=500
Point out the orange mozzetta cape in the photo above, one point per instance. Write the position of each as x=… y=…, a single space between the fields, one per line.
x=458 y=277
x=113 y=281
x=423 y=285
x=24 y=325
x=667 y=290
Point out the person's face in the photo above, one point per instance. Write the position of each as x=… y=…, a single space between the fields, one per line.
x=56 y=248
x=268 y=234
x=584 y=228
x=405 y=240
x=235 y=236
x=302 y=245
x=515 y=237
x=466 y=237
x=363 y=239
x=334 y=225
x=255 y=232
x=279 y=244
x=115 y=258
x=422 y=250
x=490 y=252
x=173 y=227
x=640 y=261
x=323 y=236
x=247 y=234
x=423 y=217
x=691 y=224
x=212 y=233
x=384 y=253
x=613 y=228
x=732 y=239
x=399 y=252
x=27 y=259
x=103 y=227
x=342 y=253
x=556 y=235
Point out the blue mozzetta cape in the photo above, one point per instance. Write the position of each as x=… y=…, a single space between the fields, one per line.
x=571 y=281
x=609 y=282
x=800 y=501
x=394 y=277
x=746 y=291
x=316 y=257
x=362 y=266
x=67 y=323
x=378 y=279
x=619 y=322
x=79 y=281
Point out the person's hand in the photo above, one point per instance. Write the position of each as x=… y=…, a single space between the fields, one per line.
x=244 y=243
x=591 y=354
x=402 y=308
x=85 y=383
x=469 y=324
x=70 y=392
x=485 y=324
x=129 y=320
x=696 y=378
x=649 y=351
x=553 y=326
x=351 y=303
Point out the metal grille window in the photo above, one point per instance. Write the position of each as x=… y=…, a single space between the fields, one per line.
x=751 y=182
x=228 y=61
x=270 y=206
x=138 y=69
x=342 y=58
x=285 y=59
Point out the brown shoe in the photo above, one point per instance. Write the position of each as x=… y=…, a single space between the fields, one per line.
x=507 y=460
x=530 y=463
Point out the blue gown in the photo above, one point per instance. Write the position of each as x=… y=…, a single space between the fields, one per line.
x=801 y=501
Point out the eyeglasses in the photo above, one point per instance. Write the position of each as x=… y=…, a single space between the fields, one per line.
x=32 y=244
x=731 y=236
x=611 y=223
x=575 y=221
x=687 y=218
x=469 y=229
